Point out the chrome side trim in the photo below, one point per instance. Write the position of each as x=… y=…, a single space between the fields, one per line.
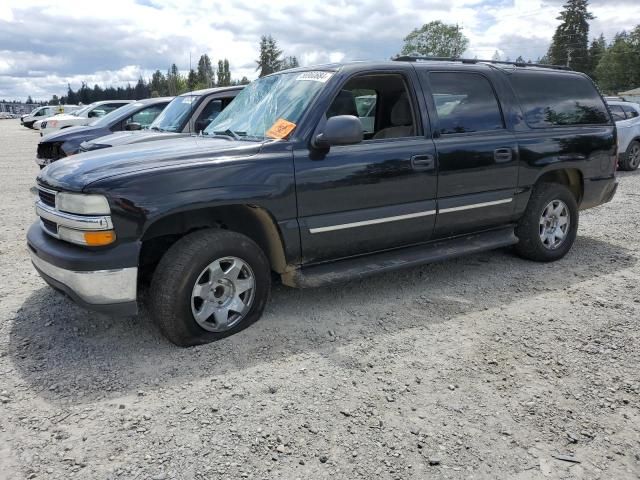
x=375 y=221
x=475 y=205
x=99 y=287
x=79 y=222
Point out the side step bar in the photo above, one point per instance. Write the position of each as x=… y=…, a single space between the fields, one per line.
x=363 y=266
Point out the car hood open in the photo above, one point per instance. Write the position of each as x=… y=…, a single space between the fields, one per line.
x=75 y=173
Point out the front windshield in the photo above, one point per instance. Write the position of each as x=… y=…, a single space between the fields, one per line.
x=82 y=111
x=269 y=107
x=106 y=120
x=172 y=118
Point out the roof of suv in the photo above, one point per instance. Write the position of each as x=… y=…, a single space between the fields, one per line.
x=207 y=91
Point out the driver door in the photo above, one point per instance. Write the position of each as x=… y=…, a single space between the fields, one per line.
x=375 y=195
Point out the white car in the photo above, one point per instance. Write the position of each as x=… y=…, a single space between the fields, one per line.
x=59 y=109
x=83 y=116
x=627 y=118
x=40 y=113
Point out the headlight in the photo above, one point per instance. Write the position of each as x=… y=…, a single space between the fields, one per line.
x=82 y=204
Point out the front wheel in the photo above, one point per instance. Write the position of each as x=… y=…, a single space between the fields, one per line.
x=549 y=226
x=210 y=284
x=631 y=158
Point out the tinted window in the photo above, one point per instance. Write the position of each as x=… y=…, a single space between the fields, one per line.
x=631 y=112
x=465 y=103
x=552 y=99
x=146 y=116
x=617 y=112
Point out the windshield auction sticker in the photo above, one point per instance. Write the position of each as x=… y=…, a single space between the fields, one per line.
x=321 y=77
x=281 y=129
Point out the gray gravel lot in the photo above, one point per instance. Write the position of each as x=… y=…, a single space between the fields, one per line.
x=488 y=366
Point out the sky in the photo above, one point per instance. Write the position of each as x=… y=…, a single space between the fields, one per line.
x=44 y=45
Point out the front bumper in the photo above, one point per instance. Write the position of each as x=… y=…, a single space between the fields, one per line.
x=43 y=162
x=84 y=276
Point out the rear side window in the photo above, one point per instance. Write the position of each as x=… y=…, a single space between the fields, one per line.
x=631 y=112
x=552 y=99
x=465 y=103
x=617 y=112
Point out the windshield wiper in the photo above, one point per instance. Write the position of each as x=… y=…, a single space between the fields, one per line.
x=229 y=133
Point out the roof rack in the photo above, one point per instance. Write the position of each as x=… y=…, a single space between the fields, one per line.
x=415 y=58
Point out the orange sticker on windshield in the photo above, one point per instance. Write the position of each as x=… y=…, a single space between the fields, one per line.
x=281 y=129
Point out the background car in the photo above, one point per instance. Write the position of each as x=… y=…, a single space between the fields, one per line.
x=627 y=118
x=46 y=111
x=188 y=113
x=133 y=116
x=83 y=116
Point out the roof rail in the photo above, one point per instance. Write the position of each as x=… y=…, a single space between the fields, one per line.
x=415 y=58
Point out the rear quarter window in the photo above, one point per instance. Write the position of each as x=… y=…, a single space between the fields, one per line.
x=554 y=99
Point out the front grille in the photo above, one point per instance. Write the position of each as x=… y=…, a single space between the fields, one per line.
x=50 y=150
x=48 y=198
x=52 y=227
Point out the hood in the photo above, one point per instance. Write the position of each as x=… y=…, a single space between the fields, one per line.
x=71 y=132
x=76 y=172
x=65 y=116
x=128 y=138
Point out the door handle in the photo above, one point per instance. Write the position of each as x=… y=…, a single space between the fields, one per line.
x=423 y=162
x=501 y=155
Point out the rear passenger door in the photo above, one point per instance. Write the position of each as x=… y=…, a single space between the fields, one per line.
x=477 y=154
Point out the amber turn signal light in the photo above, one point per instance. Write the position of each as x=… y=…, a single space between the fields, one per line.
x=96 y=239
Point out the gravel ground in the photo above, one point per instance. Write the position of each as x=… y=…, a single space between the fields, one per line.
x=483 y=367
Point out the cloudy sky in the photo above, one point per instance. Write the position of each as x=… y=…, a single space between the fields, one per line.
x=46 y=44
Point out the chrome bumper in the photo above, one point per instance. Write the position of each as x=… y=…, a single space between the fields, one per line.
x=100 y=287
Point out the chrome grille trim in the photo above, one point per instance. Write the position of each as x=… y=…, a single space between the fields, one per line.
x=78 y=222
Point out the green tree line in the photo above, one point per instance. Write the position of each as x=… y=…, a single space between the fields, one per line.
x=173 y=82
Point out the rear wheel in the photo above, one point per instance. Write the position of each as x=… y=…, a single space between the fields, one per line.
x=631 y=158
x=549 y=225
x=209 y=285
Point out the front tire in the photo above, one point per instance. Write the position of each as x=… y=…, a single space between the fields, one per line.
x=549 y=226
x=631 y=158
x=210 y=284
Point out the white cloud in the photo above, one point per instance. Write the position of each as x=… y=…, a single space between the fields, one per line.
x=45 y=44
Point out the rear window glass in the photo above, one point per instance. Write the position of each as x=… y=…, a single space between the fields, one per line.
x=551 y=99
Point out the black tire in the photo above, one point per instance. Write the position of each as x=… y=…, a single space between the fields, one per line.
x=528 y=229
x=178 y=271
x=630 y=160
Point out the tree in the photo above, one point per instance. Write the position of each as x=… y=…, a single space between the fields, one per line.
x=29 y=99
x=205 y=77
x=619 y=66
x=158 y=84
x=436 y=39
x=496 y=56
x=570 y=43
x=141 y=90
x=290 y=62
x=520 y=59
x=224 y=74
x=269 y=61
x=596 y=51
x=192 y=80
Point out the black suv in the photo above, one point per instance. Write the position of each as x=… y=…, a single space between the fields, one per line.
x=324 y=174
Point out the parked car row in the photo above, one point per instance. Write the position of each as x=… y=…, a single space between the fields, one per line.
x=141 y=121
x=318 y=175
x=40 y=113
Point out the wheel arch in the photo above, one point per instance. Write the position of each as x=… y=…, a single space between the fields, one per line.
x=572 y=178
x=253 y=221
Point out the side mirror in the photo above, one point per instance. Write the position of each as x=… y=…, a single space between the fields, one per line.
x=200 y=125
x=133 y=126
x=340 y=130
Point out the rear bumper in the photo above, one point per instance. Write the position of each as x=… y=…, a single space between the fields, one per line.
x=598 y=191
x=80 y=273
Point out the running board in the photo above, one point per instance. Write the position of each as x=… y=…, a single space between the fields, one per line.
x=363 y=266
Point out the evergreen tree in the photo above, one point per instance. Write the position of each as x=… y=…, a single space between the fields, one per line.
x=29 y=99
x=193 y=80
x=520 y=59
x=619 y=66
x=205 y=77
x=269 y=60
x=570 y=43
x=596 y=51
x=141 y=90
x=224 y=74
x=290 y=62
